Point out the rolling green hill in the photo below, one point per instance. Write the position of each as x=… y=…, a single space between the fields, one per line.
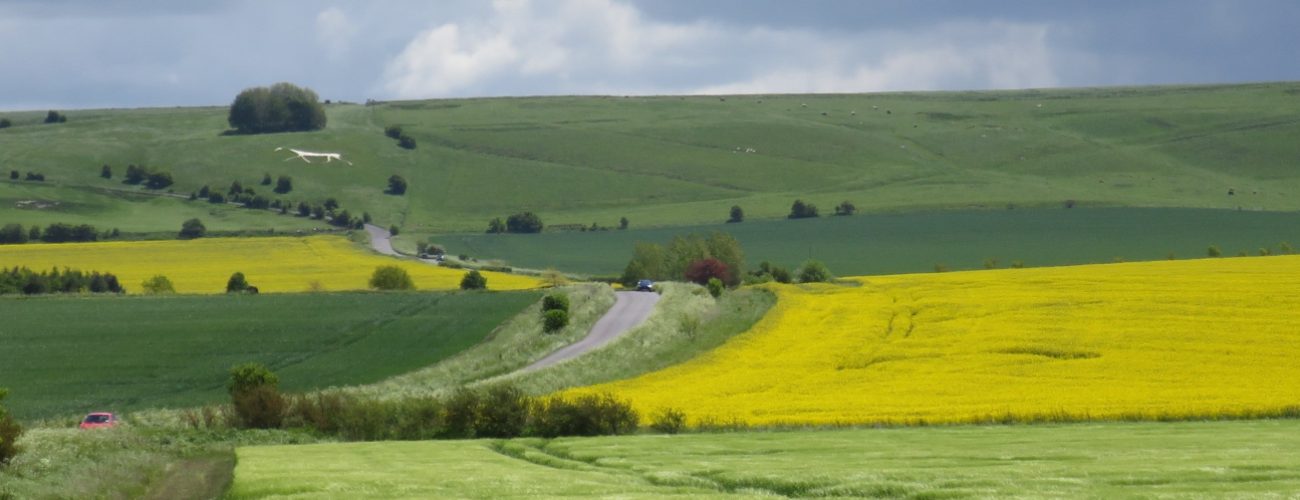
x=66 y=355
x=665 y=161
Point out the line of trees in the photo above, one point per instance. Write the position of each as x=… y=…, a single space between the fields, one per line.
x=21 y=280
x=57 y=232
x=675 y=260
x=523 y=222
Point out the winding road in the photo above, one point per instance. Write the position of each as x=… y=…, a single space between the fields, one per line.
x=381 y=240
x=630 y=309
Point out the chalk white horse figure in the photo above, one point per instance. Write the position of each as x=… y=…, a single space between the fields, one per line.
x=305 y=155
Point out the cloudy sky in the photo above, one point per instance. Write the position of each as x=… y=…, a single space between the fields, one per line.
x=127 y=53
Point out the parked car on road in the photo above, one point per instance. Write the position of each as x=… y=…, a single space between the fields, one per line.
x=99 y=420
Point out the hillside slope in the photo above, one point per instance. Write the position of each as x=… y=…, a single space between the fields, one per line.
x=682 y=160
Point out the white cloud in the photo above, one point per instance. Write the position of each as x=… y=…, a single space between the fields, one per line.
x=334 y=31
x=586 y=46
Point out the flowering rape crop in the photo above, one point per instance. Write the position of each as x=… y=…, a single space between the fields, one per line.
x=1212 y=338
x=288 y=264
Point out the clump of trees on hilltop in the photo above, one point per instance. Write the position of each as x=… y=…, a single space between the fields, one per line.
x=692 y=257
x=283 y=107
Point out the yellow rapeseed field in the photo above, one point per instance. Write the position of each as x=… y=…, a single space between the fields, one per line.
x=1156 y=340
x=288 y=264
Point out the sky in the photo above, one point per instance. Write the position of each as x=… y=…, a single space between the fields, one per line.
x=75 y=54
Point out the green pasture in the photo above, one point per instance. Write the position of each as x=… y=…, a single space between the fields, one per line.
x=1109 y=460
x=868 y=244
x=684 y=160
x=69 y=355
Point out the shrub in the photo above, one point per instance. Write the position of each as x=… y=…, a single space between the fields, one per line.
x=396 y=185
x=283 y=107
x=845 y=208
x=668 y=421
x=801 y=210
x=204 y=191
x=1214 y=251
x=33 y=176
x=158 y=284
x=496 y=226
x=158 y=180
x=554 y=278
x=55 y=117
x=9 y=432
x=460 y=414
x=283 y=184
x=524 y=222
x=5 y=123
x=813 y=271
x=623 y=223
x=586 y=415
x=701 y=271
x=237 y=283
x=715 y=287
x=391 y=278
x=393 y=131
x=216 y=197
x=473 y=280
x=555 y=301
x=13 y=175
x=106 y=171
x=266 y=179
x=255 y=395
x=554 y=319
x=737 y=215
x=503 y=413
x=135 y=174
x=406 y=142
x=191 y=229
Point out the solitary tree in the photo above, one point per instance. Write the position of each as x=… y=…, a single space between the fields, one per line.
x=106 y=171
x=524 y=222
x=283 y=184
x=391 y=278
x=473 y=280
x=801 y=210
x=623 y=222
x=396 y=185
x=845 y=208
x=237 y=283
x=255 y=394
x=737 y=214
x=191 y=229
x=813 y=271
x=266 y=179
x=5 y=123
x=158 y=284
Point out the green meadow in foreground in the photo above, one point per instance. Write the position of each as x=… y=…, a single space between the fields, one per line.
x=1109 y=460
x=684 y=160
x=70 y=355
x=908 y=243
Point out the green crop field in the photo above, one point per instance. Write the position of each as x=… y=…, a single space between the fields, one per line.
x=664 y=161
x=1185 y=460
x=915 y=242
x=67 y=355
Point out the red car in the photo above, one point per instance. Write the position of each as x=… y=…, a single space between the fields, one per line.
x=99 y=420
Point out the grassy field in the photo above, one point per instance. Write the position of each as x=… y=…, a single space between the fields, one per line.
x=1178 y=460
x=283 y=264
x=663 y=161
x=68 y=355
x=916 y=242
x=1209 y=338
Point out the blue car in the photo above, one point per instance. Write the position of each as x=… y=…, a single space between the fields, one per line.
x=645 y=286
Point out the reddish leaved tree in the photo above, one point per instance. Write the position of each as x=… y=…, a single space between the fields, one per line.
x=701 y=270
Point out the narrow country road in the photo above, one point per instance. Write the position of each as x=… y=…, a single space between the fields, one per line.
x=630 y=309
x=380 y=240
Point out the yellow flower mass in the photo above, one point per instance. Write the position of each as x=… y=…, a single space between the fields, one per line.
x=281 y=264
x=1156 y=340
